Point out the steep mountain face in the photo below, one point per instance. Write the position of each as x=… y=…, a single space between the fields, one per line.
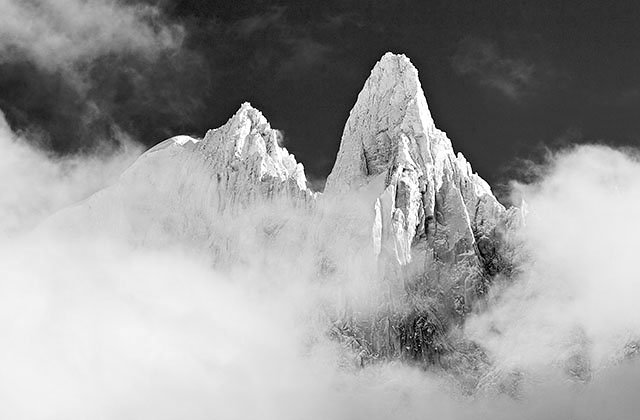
x=438 y=231
x=248 y=161
x=432 y=213
x=398 y=197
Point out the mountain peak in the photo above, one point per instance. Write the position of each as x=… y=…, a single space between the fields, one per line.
x=250 y=148
x=392 y=60
x=429 y=205
x=245 y=121
x=247 y=112
x=398 y=66
x=390 y=106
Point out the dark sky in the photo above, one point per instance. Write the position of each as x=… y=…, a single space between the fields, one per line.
x=502 y=78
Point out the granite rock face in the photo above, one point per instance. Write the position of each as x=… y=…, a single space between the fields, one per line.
x=436 y=222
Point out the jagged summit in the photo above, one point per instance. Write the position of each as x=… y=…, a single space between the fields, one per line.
x=437 y=230
x=391 y=102
x=183 y=185
x=248 y=141
x=430 y=206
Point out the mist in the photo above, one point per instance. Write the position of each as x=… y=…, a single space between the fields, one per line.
x=107 y=324
x=36 y=183
x=576 y=295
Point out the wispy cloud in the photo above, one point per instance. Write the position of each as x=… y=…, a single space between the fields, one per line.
x=59 y=35
x=305 y=52
x=294 y=47
x=482 y=60
x=91 y=68
x=259 y=22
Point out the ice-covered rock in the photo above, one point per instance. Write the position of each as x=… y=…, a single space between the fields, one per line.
x=430 y=208
x=248 y=161
x=440 y=235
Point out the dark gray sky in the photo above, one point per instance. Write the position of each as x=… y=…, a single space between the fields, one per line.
x=502 y=78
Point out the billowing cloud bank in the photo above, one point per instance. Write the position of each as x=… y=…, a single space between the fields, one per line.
x=579 y=286
x=96 y=327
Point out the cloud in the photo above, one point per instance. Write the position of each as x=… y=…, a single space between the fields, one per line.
x=294 y=47
x=82 y=72
x=61 y=35
x=35 y=184
x=255 y=24
x=573 y=304
x=481 y=59
x=304 y=53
